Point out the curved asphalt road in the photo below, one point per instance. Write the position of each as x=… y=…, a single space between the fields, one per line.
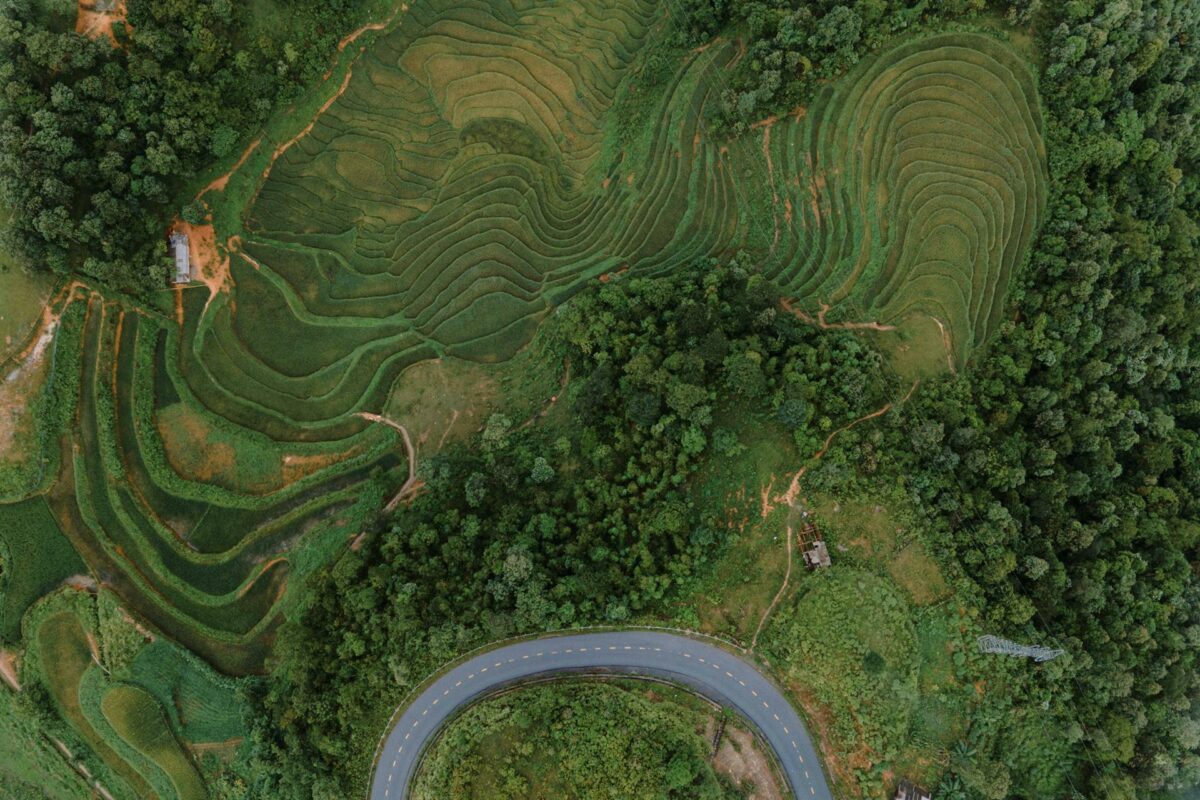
x=711 y=671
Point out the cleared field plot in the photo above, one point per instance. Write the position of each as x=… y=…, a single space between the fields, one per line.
x=37 y=557
x=136 y=717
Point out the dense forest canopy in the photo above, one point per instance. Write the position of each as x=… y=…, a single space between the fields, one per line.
x=97 y=140
x=1067 y=461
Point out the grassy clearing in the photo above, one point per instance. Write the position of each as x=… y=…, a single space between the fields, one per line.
x=881 y=533
x=37 y=558
x=22 y=297
x=737 y=489
x=201 y=705
x=138 y=719
x=917 y=349
x=887 y=683
x=576 y=739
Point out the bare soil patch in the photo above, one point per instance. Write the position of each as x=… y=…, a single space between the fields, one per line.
x=226 y=750
x=740 y=758
x=188 y=441
x=97 y=17
x=296 y=467
x=210 y=263
x=9 y=669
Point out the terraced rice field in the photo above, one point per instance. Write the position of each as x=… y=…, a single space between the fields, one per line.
x=458 y=187
x=925 y=171
x=464 y=177
x=472 y=165
x=206 y=564
x=463 y=182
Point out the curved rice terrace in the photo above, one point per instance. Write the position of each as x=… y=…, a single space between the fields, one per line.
x=464 y=178
x=459 y=188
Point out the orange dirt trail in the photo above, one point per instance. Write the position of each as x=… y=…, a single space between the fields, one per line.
x=412 y=485
x=819 y=320
x=793 y=493
x=373 y=26
x=8 y=670
x=219 y=184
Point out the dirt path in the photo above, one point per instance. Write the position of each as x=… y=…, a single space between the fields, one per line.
x=792 y=494
x=412 y=485
x=373 y=26
x=370 y=26
x=307 y=129
x=820 y=322
x=947 y=344
x=219 y=184
x=787 y=576
x=562 y=387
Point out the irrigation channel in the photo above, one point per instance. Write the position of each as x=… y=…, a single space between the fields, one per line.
x=705 y=668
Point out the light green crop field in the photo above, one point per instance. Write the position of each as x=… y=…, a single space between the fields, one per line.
x=138 y=719
x=464 y=169
x=22 y=297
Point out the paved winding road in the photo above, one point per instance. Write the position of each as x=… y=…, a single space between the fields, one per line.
x=711 y=671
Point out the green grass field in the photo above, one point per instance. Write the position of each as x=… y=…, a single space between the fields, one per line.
x=22 y=297
x=66 y=657
x=201 y=705
x=29 y=763
x=37 y=558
